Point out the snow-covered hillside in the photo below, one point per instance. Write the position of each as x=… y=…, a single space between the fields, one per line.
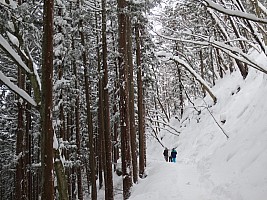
x=210 y=166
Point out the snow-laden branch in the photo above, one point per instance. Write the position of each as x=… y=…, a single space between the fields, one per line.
x=233 y=52
x=196 y=75
x=16 y=89
x=165 y=124
x=8 y=49
x=263 y=9
x=18 y=57
x=235 y=13
x=92 y=7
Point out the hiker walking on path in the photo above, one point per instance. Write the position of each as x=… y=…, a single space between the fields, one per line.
x=166 y=154
x=170 y=157
x=173 y=155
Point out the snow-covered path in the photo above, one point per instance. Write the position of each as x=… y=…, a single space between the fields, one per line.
x=169 y=181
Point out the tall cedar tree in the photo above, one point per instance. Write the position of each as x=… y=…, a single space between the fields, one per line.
x=107 y=134
x=92 y=164
x=47 y=104
x=78 y=136
x=59 y=167
x=131 y=100
x=100 y=136
x=124 y=99
x=141 y=129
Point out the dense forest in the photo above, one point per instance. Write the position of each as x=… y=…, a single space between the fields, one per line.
x=84 y=84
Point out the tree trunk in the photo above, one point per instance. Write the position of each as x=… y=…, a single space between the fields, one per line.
x=107 y=134
x=61 y=178
x=100 y=136
x=47 y=104
x=68 y=170
x=180 y=91
x=89 y=117
x=124 y=99
x=131 y=100
x=20 y=151
x=243 y=68
x=115 y=108
x=141 y=130
x=28 y=154
x=78 y=137
x=202 y=70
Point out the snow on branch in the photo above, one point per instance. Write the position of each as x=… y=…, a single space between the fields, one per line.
x=176 y=59
x=92 y=7
x=196 y=75
x=263 y=9
x=16 y=89
x=235 y=13
x=233 y=52
x=7 y=48
x=238 y=54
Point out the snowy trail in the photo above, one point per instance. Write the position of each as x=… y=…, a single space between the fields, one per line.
x=169 y=181
x=211 y=167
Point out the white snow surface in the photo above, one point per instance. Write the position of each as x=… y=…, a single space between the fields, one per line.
x=210 y=166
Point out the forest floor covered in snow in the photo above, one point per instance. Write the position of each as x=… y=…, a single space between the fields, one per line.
x=210 y=166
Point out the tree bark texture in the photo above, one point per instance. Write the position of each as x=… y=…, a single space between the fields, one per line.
x=124 y=100
x=20 y=147
x=131 y=100
x=141 y=130
x=47 y=104
x=107 y=133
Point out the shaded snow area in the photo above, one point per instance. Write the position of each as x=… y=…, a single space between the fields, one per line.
x=210 y=166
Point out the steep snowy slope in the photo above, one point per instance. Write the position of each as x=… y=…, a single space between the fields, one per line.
x=215 y=167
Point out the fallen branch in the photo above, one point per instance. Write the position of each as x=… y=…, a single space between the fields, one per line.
x=216 y=120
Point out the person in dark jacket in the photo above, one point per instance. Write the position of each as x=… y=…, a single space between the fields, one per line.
x=173 y=154
x=166 y=153
x=170 y=157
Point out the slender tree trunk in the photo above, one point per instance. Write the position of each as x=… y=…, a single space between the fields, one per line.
x=20 y=151
x=68 y=171
x=89 y=117
x=226 y=37
x=180 y=91
x=124 y=99
x=99 y=143
x=252 y=28
x=242 y=66
x=58 y=164
x=100 y=140
x=107 y=134
x=47 y=104
x=116 y=122
x=131 y=101
x=202 y=70
x=162 y=108
x=28 y=154
x=61 y=179
x=260 y=12
x=141 y=129
x=115 y=108
x=73 y=183
x=115 y=136
x=78 y=137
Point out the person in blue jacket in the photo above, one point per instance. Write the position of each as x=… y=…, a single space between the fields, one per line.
x=173 y=154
